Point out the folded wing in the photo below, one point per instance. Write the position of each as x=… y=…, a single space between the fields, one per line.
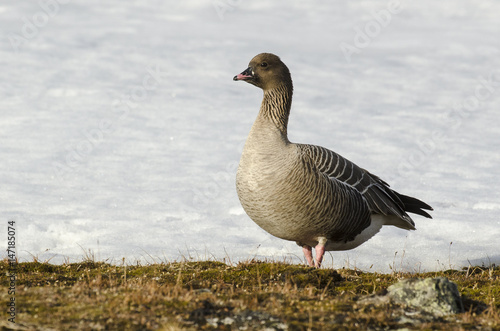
x=381 y=199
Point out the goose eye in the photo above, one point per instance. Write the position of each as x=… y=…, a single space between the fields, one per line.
x=263 y=64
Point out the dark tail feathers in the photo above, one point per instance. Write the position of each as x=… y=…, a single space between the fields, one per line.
x=413 y=205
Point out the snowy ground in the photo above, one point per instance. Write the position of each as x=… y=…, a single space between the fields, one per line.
x=121 y=127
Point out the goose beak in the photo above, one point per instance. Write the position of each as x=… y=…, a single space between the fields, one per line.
x=245 y=75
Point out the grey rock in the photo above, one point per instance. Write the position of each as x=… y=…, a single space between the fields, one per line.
x=437 y=296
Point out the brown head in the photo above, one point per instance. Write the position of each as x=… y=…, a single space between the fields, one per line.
x=267 y=72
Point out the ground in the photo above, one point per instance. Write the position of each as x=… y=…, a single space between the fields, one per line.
x=214 y=295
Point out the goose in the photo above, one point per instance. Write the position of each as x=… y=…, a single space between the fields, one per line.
x=307 y=193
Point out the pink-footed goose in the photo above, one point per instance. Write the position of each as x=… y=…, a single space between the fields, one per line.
x=306 y=193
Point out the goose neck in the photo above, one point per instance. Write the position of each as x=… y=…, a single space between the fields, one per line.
x=276 y=106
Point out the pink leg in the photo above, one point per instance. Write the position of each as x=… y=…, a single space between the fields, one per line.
x=308 y=254
x=320 y=251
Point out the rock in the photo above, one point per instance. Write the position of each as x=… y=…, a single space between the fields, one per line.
x=437 y=296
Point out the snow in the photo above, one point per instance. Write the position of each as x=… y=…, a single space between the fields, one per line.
x=121 y=126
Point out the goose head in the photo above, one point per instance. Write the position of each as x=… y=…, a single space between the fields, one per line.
x=266 y=71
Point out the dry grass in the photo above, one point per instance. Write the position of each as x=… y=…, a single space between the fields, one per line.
x=212 y=295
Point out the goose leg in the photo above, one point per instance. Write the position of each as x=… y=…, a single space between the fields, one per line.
x=320 y=251
x=308 y=254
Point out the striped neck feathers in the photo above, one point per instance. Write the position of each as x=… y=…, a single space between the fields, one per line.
x=276 y=106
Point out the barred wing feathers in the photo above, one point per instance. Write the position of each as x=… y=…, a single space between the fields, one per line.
x=381 y=199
